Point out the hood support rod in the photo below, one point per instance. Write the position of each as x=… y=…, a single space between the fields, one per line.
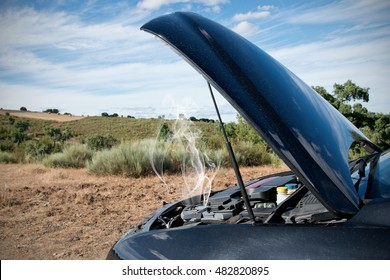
x=234 y=161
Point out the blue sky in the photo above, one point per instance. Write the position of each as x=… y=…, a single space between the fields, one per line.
x=89 y=57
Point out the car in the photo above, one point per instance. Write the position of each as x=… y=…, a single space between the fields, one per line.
x=326 y=207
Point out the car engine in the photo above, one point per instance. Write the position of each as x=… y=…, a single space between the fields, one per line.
x=227 y=206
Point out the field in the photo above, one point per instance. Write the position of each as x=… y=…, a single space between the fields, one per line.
x=121 y=128
x=41 y=116
x=58 y=213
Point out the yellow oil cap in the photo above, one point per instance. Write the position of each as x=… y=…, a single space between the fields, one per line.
x=281 y=189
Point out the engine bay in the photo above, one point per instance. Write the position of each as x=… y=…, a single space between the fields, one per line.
x=227 y=206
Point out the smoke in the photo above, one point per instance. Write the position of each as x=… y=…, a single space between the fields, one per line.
x=181 y=147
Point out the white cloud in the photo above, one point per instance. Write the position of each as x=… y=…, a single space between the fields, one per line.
x=56 y=59
x=245 y=28
x=251 y=15
x=29 y=28
x=262 y=12
x=157 y=4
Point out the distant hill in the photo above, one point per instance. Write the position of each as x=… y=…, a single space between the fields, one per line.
x=41 y=116
x=81 y=127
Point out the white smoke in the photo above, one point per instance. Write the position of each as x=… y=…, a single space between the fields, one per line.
x=198 y=170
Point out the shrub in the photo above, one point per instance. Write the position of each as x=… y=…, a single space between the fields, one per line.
x=131 y=159
x=220 y=157
x=37 y=150
x=100 y=142
x=74 y=156
x=6 y=145
x=165 y=133
x=147 y=156
x=7 y=157
x=11 y=120
x=249 y=154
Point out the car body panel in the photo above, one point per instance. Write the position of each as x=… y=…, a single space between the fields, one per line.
x=266 y=241
x=310 y=135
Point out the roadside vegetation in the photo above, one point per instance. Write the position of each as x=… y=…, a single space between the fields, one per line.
x=125 y=145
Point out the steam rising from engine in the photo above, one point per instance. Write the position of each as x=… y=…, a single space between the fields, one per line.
x=198 y=170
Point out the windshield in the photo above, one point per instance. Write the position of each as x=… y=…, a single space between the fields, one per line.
x=374 y=180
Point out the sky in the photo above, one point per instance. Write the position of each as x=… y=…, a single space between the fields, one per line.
x=90 y=57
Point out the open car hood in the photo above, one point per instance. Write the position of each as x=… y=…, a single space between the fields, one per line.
x=309 y=134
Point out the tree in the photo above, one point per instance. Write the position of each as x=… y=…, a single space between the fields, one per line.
x=23 y=109
x=104 y=114
x=51 y=111
x=327 y=96
x=375 y=126
x=349 y=91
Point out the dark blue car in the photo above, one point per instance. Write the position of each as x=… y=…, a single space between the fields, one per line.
x=337 y=209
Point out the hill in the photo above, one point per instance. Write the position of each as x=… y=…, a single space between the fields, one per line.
x=81 y=127
x=41 y=115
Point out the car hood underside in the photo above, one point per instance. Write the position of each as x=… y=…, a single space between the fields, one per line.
x=310 y=135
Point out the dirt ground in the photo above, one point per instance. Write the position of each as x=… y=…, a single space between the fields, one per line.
x=50 y=213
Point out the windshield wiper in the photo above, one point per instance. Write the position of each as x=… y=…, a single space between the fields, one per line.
x=234 y=162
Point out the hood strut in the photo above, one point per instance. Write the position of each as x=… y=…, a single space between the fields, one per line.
x=234 y=161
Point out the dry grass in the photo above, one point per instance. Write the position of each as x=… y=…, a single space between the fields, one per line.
x=41 y=116
x=68 y=214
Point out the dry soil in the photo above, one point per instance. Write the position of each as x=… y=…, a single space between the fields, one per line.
x=50 y=213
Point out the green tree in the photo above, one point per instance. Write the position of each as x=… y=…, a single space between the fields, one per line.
x=328 y=97
x=376 y=126
x=349 y=91
x=52 y=111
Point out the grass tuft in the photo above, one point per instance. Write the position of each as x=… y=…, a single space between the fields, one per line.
x=74 y=156
x=7 y=157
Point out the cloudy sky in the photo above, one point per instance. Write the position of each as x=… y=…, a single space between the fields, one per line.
x=89 y=57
